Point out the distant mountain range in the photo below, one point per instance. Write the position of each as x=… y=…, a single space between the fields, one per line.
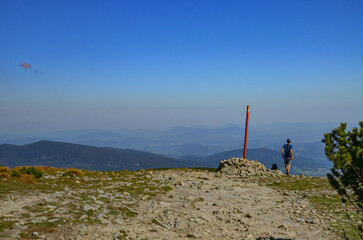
x=202 y=141
x=203 y=144
x=66 y=155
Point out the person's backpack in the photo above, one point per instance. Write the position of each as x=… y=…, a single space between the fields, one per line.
x=274 y=166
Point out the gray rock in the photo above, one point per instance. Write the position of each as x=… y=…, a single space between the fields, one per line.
x=229 y=171
x=116 y=236
x=59 y=211
x=87 y=207
x=165 y=204
x=53 y=220
x=250 y=236
x=180 y=224
x=205 y=217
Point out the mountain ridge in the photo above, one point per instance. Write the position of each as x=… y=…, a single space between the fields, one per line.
x=61 y=154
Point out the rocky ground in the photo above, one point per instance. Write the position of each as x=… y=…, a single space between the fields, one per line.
x=160 y=204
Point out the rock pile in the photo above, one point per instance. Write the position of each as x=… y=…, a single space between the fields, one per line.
x=244 y=167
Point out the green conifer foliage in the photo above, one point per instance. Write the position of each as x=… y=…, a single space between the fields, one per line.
x=345 y=150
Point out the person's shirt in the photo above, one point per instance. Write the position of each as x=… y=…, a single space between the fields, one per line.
x=287 y=150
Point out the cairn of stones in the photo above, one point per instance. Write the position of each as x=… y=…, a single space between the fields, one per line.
x=244 y=168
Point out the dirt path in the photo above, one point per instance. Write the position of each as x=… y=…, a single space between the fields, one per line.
x=207 y=207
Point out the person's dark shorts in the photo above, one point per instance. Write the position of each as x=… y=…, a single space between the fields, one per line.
x=287 y=160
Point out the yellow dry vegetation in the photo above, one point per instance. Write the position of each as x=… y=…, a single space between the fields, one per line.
x=4 y=175
x=26 y=178
x=4 y=169
x=76 y=172
x=46 y=168
x=19 y=167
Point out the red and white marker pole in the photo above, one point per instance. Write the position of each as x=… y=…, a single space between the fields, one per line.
x=246 y=131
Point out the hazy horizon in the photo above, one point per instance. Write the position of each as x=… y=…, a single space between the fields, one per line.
x=161 y=64
x=252 y=126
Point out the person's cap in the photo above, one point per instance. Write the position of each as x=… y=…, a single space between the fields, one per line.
x=288 y=140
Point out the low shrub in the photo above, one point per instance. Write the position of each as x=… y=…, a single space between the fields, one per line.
x=28 y=171
x=75 y=172
x=4 y=169
x=31 y=171
x=15 y=173
x=46 y=168
x=26 y=178
x=4 y=175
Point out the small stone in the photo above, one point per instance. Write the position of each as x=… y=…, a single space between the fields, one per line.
x=309 y=220
x=229 y=171
x=165 y=204
x=250 y=236
x=87 y=207
x=248 y=215
x=59 y=210
x=35 y=234
x=180 y=225
x=205 y=217
x=53 y=220
x=116 y=236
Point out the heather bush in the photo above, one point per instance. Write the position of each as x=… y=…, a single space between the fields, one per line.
x=28 y=171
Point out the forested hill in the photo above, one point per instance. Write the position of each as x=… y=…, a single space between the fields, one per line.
x=65 y=155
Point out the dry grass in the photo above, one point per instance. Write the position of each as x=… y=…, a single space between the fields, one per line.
x=4 y=169
x=19 y=167
x=45 y=168
x=26 y=178
x=4 y=175
x=75 y=171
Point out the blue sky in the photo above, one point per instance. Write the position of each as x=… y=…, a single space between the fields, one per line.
x=156 y=64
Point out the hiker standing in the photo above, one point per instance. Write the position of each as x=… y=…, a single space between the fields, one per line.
x=286 y=152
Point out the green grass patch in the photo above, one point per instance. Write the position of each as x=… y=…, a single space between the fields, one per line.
x=166 y=189
x=205 y=169
x=6 y=224
x=294 y=183
x=323 y=198
x=36 y=208
x=25 y=215
x=155 y=221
